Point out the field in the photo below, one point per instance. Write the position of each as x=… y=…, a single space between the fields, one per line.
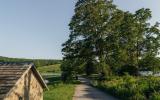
x=57 y=89
x=50 y=69
x=37 y=62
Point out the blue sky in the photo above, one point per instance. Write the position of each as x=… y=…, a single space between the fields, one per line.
x=37 y=28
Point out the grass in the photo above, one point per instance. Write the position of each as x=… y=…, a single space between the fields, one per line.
x=50 y=69
x=60 y=92
x=57 y=90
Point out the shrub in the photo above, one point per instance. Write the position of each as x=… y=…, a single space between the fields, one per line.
x=133 y=88
x=155 y=96
x=130 y=69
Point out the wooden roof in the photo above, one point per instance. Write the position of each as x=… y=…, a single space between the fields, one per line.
x=10 y=73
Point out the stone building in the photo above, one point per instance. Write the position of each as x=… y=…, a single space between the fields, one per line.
x=20 y=81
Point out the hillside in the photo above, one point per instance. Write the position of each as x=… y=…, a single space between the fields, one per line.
x=37 y=62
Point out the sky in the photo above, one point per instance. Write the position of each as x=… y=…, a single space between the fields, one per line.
x=36 y=28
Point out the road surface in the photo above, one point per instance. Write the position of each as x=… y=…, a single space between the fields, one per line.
x=84 y=91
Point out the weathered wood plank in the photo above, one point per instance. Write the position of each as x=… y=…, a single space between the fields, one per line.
x=9 y=75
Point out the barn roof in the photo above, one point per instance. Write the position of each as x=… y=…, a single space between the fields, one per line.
x=10 y=73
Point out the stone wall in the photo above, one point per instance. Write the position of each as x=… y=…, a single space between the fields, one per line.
x=28 y=88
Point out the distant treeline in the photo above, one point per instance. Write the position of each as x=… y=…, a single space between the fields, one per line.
x=37 y=62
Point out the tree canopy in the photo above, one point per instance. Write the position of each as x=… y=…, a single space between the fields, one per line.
x=105 y=38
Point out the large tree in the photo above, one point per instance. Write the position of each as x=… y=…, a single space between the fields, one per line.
x=90 y=26
x=109 y=37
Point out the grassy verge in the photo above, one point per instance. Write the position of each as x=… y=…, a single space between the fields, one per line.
x=60 y=92
x=57 y=90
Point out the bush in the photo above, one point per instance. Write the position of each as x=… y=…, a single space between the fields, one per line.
x=129 y=69
x=133 y=88
x=155 y=96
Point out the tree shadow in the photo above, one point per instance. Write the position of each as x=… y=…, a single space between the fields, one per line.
x=53 y=79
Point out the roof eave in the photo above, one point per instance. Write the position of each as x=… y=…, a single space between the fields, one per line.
x=39 y=77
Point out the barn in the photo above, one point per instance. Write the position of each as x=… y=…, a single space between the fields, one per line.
x=20 y=81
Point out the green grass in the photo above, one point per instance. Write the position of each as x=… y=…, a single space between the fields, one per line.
x=57 y=90
x=50 y=69
x=60 y=92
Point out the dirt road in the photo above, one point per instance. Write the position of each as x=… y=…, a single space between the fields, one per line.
x=86 y=92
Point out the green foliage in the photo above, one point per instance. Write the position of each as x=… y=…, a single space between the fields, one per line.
x=129 y=69
x=113 y=42
x=132 y=88
x=68 y=69
x=155 y=96
x=89 y=27
x=111 y=38
x=149 y=62
x=67 y=66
